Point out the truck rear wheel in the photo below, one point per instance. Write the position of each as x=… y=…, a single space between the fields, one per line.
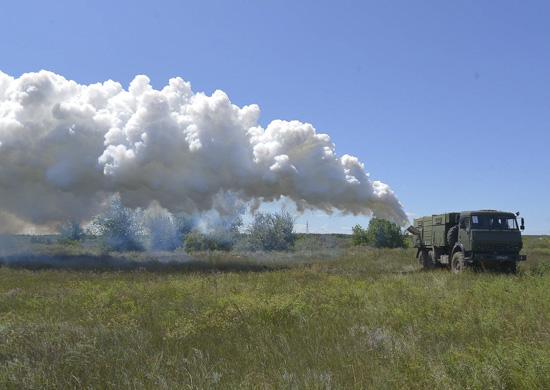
x=457 y=263
x=423 y=260
x=431 y=260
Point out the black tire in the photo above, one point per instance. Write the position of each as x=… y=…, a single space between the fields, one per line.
x=423 y=259
x=452 y=236
x=431 y=260
x=457 y=263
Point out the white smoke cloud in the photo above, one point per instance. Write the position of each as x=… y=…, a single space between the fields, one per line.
x=65 y=147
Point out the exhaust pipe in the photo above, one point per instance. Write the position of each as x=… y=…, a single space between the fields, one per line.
x=414 y=231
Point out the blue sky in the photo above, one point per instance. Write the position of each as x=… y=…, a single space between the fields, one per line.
x=447 y=102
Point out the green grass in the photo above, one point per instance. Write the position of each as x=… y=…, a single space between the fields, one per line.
x=336 y=318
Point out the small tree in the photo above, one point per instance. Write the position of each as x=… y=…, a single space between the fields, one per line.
x=271 y=231
x=359 y=236
x=184 y=223
x=163 y=231
x=120 y=229
x=381 y=234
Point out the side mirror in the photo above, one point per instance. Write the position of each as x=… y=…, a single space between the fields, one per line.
x=522 y=227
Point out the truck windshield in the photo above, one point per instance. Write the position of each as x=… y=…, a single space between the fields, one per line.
x=494 y=222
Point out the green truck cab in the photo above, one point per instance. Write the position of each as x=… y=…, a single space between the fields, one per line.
x=486 y=238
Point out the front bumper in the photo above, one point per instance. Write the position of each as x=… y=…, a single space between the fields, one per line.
x=498 y=257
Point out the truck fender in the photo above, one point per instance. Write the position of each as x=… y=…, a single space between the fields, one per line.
x=458 y=247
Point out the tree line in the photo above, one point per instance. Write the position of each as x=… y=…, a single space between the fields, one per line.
x=122 y=229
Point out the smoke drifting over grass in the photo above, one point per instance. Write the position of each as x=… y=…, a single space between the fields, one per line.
x=65 y=148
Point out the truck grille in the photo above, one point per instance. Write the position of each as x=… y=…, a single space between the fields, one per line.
x=497 y=248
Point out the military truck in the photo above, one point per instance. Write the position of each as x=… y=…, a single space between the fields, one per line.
x=486 y=238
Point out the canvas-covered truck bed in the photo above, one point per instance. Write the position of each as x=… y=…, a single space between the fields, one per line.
x=434 y=229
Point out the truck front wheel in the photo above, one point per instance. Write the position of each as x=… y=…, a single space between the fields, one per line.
x=457 y=263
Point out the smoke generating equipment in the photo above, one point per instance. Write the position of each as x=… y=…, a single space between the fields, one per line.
x=65 y=148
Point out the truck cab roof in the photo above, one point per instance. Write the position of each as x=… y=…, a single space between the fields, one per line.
x=485 y=212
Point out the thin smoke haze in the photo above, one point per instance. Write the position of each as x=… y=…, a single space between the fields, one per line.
x=65 y=148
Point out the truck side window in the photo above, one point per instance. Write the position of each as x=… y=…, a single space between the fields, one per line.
x=465 y=223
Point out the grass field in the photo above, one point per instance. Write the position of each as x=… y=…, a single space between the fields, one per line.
x=327 y=316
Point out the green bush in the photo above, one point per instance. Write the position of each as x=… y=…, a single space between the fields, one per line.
x=196 y=241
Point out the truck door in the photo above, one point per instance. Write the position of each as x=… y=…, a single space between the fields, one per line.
x=464 y=233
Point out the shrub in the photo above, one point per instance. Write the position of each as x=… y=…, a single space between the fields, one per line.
x=217 y=240
x=196 y=241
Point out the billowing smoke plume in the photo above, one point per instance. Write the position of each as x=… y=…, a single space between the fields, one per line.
x=65 y=148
